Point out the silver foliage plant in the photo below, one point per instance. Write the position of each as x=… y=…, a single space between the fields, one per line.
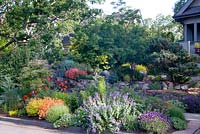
x=108 y=112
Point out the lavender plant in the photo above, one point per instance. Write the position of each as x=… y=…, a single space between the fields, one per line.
x=154 y=122
x=108 y=113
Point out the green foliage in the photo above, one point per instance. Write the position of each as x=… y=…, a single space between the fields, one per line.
x=9 y=98
x=106 y=44
x=172 y=60
x=61 y=95
x=176 y=112
x=80 y=118
x=33 y=75
x=64 y=121
x=177 y=104
x=101 y=86
x=178 y=123
x=154 y=104
x=107 y=112
x=178 y=5
x=155 y=85
x=131 y=123
x=73 y=101
x=55 y=112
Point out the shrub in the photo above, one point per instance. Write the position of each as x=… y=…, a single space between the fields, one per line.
x=155 y=86
x=154 y=104
x=193 y=104
x=80 y=118
x=73 y=73
x=33 y=105
x=48 y=103
x=74 y=101
x=64 y=121
x=55 y=112
x=101 y=86
x=178 y=123
x=108 y=112
x=130 y=123
x=140 y=68
x=176 y=103
x=154 y=122
x=176 y=112
x=61 y=95
x=10 y=98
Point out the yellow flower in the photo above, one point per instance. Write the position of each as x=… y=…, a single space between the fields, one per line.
x=140 y=68
x=12 y=113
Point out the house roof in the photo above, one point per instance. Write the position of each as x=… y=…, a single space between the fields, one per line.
x=187 y=11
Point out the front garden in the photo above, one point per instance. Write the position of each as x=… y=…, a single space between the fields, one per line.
x=69 y=65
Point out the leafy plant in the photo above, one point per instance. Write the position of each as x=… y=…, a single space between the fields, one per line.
x=64 y=121
x=176 y=103
x=55 y=112
x=154 y=122
x=108 y=112
x=155 y=86
x=154 y=104
x=33 y=105
x=176 y=112
x=178 y=123
x=74 y=101
x=101 y=86
x=81 y=118
x=10 y=98
x=130 y=123
x=48 y=103
x=61 y=95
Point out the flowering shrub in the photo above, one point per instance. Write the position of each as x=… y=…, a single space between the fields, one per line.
x=108 y=112
x=73 y=73
x=154 y=122
x=33 y=105
x=140 y=68
x=55 y=112
x=48 y=103
x=193 y=104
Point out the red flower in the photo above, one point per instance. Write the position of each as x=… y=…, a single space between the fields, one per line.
x=31 y=93
x=25 y=97
x=49 y=78
x=62 y=84
x=35 y=91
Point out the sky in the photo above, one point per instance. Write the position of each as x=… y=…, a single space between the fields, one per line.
x=149 y=8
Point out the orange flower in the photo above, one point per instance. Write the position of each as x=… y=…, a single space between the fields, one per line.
x=25 y=97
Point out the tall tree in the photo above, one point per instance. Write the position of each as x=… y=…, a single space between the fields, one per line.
x=178 y=5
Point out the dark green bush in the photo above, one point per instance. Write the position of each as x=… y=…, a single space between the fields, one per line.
x=178 y=123
x=176 y=112
x=155 y=86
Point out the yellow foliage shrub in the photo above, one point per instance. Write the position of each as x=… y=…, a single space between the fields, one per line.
x=140 y=68
x=33 y=105
x=48 y=103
